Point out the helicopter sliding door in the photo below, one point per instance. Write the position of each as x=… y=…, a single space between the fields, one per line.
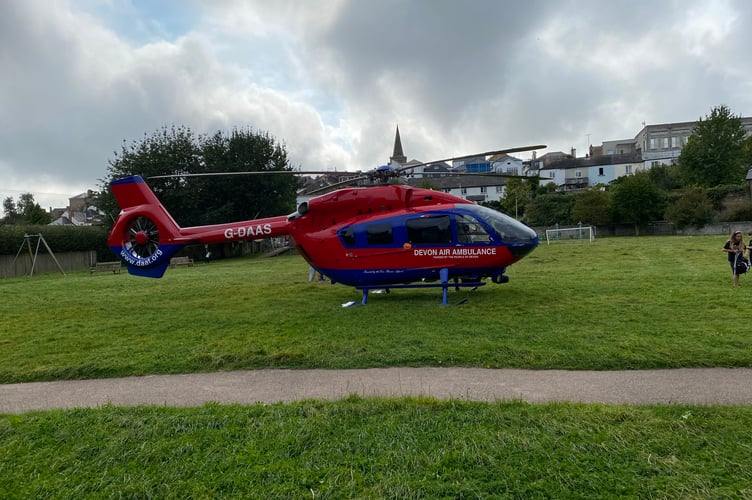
x=429 y=230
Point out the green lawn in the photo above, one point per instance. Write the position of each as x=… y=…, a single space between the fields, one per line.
x=616 y=303
x=619 y=303
x=363 y=448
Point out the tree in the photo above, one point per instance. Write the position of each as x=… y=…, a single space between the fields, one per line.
x=10 y=209
x=207 y=200
x=427 y=183
x=550 y=209
x=168 y=151
x=252 y=196
x=714 y=154
x=636 y=200
x=26 y=211
x=666 y=177
x=35 y=215
x=516 y=196
x=25 y=203
x=592 y=207
x=692 y=208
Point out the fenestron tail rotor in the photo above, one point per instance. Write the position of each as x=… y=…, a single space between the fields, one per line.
x=142 y=238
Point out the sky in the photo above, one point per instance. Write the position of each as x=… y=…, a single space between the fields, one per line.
x=332 y=79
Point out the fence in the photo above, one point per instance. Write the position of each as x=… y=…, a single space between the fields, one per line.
x=663 y=228
x=70 y=261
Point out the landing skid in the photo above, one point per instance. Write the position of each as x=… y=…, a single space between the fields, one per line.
x=444 y=285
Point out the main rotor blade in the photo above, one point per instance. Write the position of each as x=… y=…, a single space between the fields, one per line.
x=337 y=184
x=464 y=157
x=258 y=172
x=494 y=174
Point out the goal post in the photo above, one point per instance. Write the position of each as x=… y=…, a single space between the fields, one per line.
x=580 y=233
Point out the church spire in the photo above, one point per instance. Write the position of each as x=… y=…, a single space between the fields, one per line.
x=398 y=156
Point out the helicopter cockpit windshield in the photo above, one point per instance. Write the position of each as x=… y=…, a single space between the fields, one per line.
x=507 y=229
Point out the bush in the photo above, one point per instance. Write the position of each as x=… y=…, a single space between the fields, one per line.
x=693 y=208
x=742 y=212
x=718 y=194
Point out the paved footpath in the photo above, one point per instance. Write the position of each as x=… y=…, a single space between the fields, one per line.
x=725 y=386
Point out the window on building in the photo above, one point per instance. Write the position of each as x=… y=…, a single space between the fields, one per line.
x=628 y=169
x=675 y=142
x=600 y=171
x=483 y=189
x=578 y=173
x=463 y=190
x=653 y=143
x=429 y=230
x=499 y=189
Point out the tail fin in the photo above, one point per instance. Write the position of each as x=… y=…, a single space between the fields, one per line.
x=144 y=236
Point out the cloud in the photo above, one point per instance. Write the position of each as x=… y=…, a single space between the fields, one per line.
x=81 y=77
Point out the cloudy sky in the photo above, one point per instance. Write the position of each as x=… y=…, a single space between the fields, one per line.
x=332 y=78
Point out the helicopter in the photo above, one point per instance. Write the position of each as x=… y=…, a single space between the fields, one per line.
x=383 y=236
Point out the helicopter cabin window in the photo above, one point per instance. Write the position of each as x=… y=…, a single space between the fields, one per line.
x=429 y=230
x=348 y=236
x=379 y=234
x=469 y=230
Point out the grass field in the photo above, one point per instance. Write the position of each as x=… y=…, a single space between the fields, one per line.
x=616 y=303
x=619 y=303
x=363 y=448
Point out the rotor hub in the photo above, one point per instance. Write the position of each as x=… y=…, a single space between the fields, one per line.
x=141 y=238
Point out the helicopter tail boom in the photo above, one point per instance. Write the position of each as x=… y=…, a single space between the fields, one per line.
x=146 y=237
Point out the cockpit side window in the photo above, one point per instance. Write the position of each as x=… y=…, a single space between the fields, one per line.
x=469 y=230
x=507 y=229
x=429 y=230
x=348 y=236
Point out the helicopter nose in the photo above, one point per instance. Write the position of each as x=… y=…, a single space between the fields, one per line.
x=519 y=251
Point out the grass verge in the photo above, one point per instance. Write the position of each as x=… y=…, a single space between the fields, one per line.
x=368 y=448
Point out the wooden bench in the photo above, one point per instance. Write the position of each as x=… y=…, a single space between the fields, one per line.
x=100 y=267
x=181 y=261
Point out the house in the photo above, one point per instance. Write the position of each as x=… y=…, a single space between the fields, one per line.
x=571 y=174
x=654 y=145
x=478 y=188
x=81 y=211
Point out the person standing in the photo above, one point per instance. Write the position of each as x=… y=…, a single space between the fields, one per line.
x=735 y=248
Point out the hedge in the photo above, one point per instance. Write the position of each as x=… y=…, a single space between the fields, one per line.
x=59 y=238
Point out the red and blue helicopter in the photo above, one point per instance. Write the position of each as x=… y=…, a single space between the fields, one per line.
x=382 y=236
